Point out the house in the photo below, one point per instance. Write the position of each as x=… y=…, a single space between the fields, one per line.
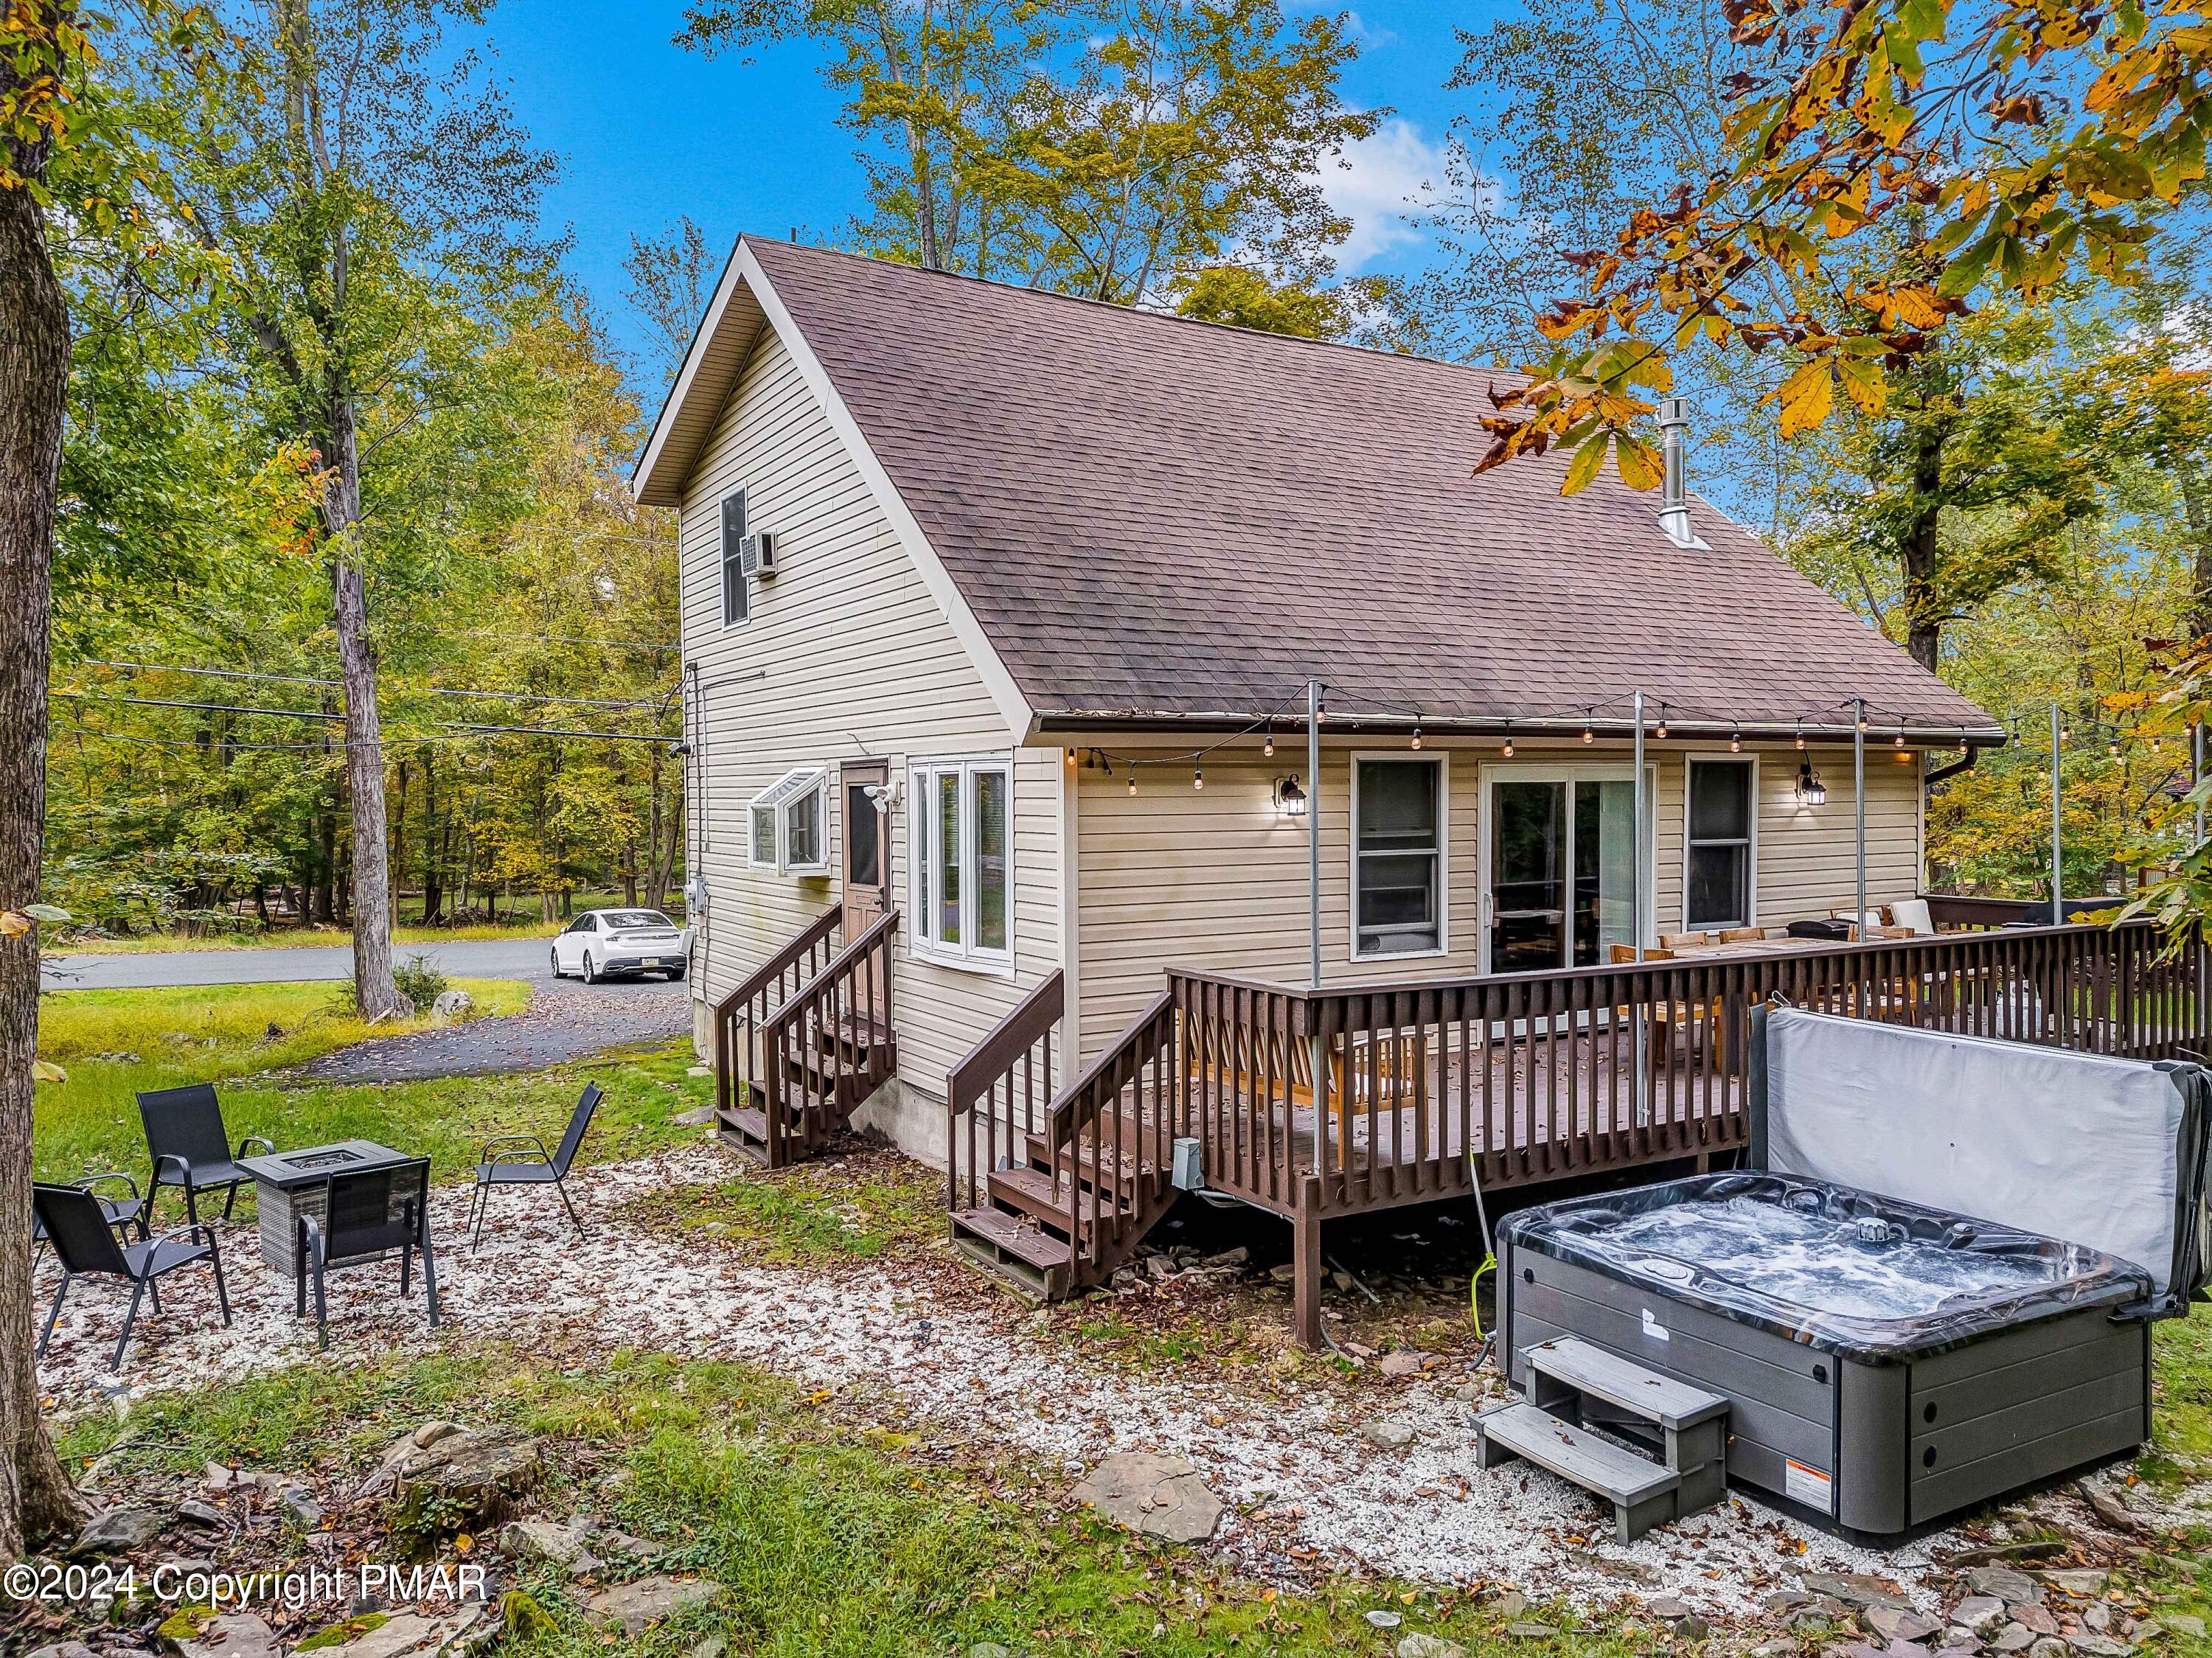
x=1002 y=610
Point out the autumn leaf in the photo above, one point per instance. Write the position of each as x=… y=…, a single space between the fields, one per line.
x=1806 y=398
x=1863 y=383
x=1588 y=458
x=45 y=1071
x=1640 y=467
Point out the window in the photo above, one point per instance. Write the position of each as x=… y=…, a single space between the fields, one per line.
x=737 y=591
x=1717 y=873
x=963 y=860
x=1397 y=859
x=789 y=834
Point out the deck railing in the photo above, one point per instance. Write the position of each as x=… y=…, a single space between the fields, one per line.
x=739 y=1016
x=996 y=1097
x=1390 y=1094
x=1110 y=1136
x=828 y=1046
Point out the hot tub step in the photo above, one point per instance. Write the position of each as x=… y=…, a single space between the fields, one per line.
x=1643 y=1494
x=1587 y=1379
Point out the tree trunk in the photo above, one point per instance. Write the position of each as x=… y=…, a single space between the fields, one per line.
x=434 y=849
x=36 y=1500
x=375 y=996
x=2198 y=513
x=1923 y=553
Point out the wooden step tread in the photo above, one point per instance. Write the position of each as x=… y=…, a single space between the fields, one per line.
x=1036 y=1193
x=1133 y=1165
x=1592 y=1369
x=1596 y=1464
x=1025 y=1243
x=746 y=1120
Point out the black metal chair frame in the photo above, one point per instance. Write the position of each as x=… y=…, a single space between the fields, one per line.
x=316 y=1239
x=532 y=1155
x=183 y=1163
x=121 y=1214
x=141 y=1263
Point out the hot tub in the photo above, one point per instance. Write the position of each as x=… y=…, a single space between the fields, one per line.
x=1932 y=1284
x=1884 y=1364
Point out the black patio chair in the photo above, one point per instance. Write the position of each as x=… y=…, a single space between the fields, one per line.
x=122 y=1213
x=190 y=1147
x=85 y=1242
x=365 y=1217
x=501 y=1167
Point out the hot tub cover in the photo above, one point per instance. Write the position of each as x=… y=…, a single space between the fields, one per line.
x=1875 y=1279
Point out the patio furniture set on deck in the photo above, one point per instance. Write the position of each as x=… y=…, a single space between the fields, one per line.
x=320 y=1208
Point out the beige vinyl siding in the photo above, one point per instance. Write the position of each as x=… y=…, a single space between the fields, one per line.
x=853 y=660
x=1217 y=878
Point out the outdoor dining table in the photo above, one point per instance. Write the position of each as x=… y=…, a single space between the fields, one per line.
x=291 y=1184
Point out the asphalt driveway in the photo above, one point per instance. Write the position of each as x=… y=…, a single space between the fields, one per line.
x=467 y=958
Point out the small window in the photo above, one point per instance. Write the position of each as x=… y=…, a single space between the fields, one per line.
x=737 y=591
x=963 y=860
x=789 y=832
x=1716 y=885
x=1397 y=862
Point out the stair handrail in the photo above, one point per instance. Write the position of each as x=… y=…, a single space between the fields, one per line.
x=1085 y=1104
x=748 y=1002
x=807 y=1006
x=1018 y=1045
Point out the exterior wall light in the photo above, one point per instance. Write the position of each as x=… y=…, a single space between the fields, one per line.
x=1811 y=791
x=1290 y=798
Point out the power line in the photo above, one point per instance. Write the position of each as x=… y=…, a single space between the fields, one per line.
x=396 y=691
x=458 y=728
x=558 y=639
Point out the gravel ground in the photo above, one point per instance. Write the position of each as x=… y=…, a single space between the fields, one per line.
x=1297 y=1463
x=566 y=1020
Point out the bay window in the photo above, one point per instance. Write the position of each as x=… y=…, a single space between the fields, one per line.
x=962 y=829
x=789 y=832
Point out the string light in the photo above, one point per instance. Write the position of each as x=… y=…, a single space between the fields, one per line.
x=1662 y=732
x=1417 y=738
x=1589 y=735
x=1735 y=739
x=1801 y=736
x=1269 y=747
x=1071 y=756
x=1197 y=778
x=2112 y=748
x=1133 y=778
x=1321 y=709
x=1509 y=739
x=1862 y=722
x=1898 y=741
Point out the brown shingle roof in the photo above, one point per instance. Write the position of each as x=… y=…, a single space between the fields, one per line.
x=1151 y=515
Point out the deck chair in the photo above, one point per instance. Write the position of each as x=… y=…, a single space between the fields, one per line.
x=122 y=1213
x=523 y=1160
x=366 y=1215
x=190 y=1147
x=84 y=1242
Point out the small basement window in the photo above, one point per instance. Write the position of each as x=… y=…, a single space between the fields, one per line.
x=790 y=833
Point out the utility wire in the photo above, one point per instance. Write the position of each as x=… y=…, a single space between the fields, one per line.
x=395 y=690
x=459 y=726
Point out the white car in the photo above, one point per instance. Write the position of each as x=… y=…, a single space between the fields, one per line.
x=602 y=942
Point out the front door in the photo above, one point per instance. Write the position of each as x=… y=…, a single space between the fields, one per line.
x=1558 y=866
x=867 y=863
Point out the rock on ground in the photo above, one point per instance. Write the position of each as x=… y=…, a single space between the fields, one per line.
x=634 y=1607
x=235 y=1634
x=1159 y=1495
x=120 y=1530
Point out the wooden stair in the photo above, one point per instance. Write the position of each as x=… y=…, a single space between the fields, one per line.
x=836 y=1070
x=1591 y=1384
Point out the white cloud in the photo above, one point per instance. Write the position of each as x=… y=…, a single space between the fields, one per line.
x=1377 y=183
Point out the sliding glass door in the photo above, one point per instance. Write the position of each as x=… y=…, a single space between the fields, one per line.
x=1558 y=866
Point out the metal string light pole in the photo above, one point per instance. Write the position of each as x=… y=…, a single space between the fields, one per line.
x=2057 y=867
x=1313 y=828
x=1637 y=831
x=1858 y=794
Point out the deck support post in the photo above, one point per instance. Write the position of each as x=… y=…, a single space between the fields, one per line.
x=1305 y=1258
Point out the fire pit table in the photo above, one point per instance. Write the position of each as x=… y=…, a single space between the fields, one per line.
x=289 y=1184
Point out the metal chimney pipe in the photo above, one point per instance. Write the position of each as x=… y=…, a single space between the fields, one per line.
x=1674 y=441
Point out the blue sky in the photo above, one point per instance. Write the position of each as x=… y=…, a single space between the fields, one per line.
x=648 y=131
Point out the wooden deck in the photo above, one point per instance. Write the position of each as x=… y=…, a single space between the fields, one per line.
x=1318 y=1103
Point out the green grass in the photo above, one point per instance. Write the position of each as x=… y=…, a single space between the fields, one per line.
x=832 y=1530
x=91 y=1121
x=878 y=1205
x=2182 y=1395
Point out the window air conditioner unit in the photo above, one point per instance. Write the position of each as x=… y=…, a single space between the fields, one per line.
x=758 y=552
